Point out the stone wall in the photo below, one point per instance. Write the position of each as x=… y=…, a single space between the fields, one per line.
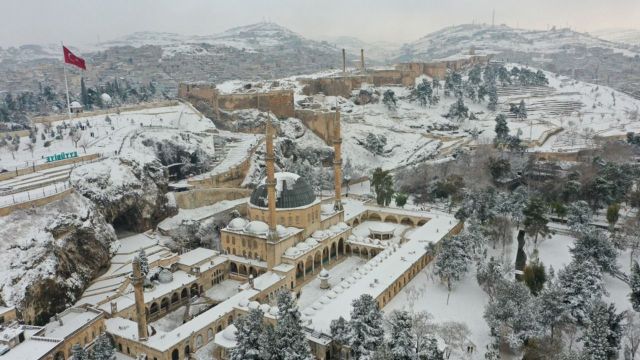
x=344 y=85
x=200 y=92
x=35 y=203
x=279 y=102
x=320 y=122
x=60 y=117
x=49 y=165
x=203 y=197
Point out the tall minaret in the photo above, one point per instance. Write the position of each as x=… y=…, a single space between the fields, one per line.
x=271 y=184
x=138 y=281
x=337 y=161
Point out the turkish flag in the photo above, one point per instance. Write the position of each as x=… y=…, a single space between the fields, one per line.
x=71 y=58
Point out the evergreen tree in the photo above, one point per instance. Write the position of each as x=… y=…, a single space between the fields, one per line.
x=424 y=92
x=522 y=110
x=249 y=330
x=475 y=75
x=78 y=352
x=578 y=215
x=269 y=344
x=401 y=340
x=367 y=333
x=382 y=183
x=592 y=243
x=582 y=285
x=601 y=339
x=401 y=199
x=502 y=130
x=489 y=274
x=84 y=96
x=340 y=331
x=535 y=276
x=452 y=261
x=513 y=314
x=458 y=110
x=535 y=221
x=103 y=348
x=553 y=311
x=144 y=262
x=389 y=99
x=493 y=97
x=634 y=296
x=613 y=214
x=431 y=351
x=291 y=340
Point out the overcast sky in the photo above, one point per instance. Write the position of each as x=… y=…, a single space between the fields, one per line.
x=84 y=21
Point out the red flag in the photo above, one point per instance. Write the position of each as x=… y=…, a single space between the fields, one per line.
x=72 y=59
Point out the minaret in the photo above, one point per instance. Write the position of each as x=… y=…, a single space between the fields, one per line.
x=138 y=281
x=337 y=161
x=271 y=184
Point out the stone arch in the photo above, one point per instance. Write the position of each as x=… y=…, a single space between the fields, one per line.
x=308 y=265
x=348 y=249
x=374 y=217
x=333 y=252
x=421 y=222
x=175 y=355
x=242 y=270
x=356 y=222
x=184 y=294
x=356 y=249
x=341 y=247
x=391 y=219
x=407 y=221
x=175 y=298
x=59 y=356
x=233 y=268
x=253 y=271
x=300 y=270
x=219 y=328
x=187 y=352
x=210 y=334
x=194 y=289
x=317 y=260
x=325 y=255
x=199 y=341
x=164 y=304
x=154 y=308
x=230 y=320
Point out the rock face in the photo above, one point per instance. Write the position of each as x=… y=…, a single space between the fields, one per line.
x=50 y=254
x=130 y=195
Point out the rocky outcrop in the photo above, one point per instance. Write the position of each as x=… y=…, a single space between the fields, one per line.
x=130 y=195
x=49 y=254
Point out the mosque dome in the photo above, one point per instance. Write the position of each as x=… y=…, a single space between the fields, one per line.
x=292 y=191
x=165 y=276
x=311 y=242
x=257 y=228
x=237 y=224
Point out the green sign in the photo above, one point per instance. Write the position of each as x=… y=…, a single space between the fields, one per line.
x=62 y=156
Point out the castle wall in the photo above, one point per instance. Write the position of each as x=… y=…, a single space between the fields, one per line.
x=279 y=102
x=208 y=196
x=320 y=122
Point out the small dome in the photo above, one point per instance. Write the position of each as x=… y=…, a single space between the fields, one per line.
x=265 y=308
x=282 y=231
x=311 y=242
x=237 y=224
x=254 y=305
x=257 y=228
x=165 y=276
x=230 y=333
x=335 y=229
x=343 y=225
x=243 y=303
x=106 y=98
x=324 y=274
x=318 y=234
x=302 y=246
x=292 y=251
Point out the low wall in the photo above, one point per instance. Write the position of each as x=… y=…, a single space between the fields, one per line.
x=203 y=197
x=279 y=102
x=60 y=117
x=18 y=133
x=231 y=178
x=28 y=170
x=344 y=85
x=4 y=211
x=320 y=122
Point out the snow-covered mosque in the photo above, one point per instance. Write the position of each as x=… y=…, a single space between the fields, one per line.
x=327 y=251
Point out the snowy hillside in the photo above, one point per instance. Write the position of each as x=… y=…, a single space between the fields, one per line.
x=488 y=39
x=625 y=36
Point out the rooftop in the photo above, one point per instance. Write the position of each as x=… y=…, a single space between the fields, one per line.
x=292 y=191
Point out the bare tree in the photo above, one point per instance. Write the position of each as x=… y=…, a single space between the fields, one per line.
x=31 y=147
x=454 y=334
x=84 y=143
x=13 y=148
x=75 y=137
x=631 y=334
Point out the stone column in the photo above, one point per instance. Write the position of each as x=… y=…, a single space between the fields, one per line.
x=337 y=163
x=271 y=185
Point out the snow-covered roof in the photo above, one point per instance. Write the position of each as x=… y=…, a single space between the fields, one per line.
x=69 y=322
x=196 y=256
x=380 y=272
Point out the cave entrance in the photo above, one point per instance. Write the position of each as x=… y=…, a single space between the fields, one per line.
x=128 y=223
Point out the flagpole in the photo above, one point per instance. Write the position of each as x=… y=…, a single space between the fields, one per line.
x=66 y=84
